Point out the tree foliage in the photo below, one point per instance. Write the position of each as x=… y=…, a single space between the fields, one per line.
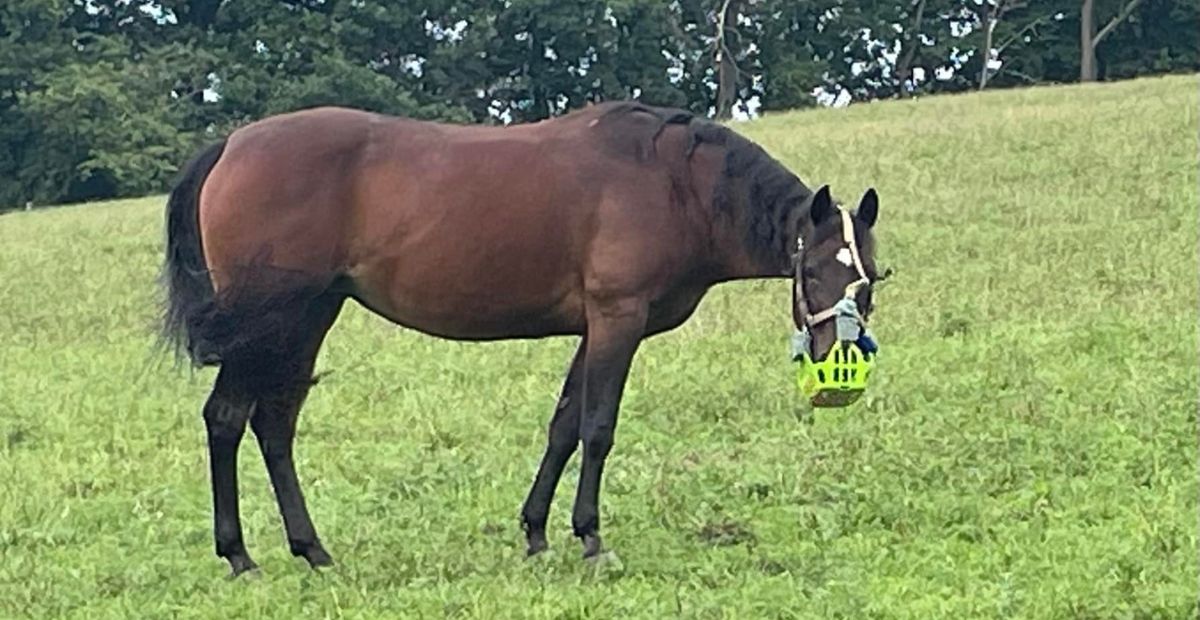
x=104 y=98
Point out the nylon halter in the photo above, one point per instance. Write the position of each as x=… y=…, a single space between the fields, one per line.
x=801 y=304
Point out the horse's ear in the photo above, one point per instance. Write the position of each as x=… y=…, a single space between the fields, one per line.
x=868 y=208
x=821 y=207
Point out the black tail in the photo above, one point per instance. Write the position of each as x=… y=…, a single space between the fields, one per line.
x=189 y=291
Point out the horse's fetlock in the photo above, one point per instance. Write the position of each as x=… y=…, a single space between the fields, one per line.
x=586 y=526
x=229 y=543
x=531 y=523
x=299 y=547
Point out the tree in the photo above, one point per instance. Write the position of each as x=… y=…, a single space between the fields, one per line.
x=1090 y=38
x=1008 y=22
x=1160 y=37
x=800 y=51
x=99 y=130
x=32 y=42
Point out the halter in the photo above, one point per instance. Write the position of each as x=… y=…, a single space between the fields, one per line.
x=801 y=304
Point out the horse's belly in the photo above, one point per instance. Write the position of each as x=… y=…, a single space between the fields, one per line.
x=479 y=323
x=468 y=307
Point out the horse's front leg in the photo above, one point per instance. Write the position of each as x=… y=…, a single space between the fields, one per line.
x=613 y=334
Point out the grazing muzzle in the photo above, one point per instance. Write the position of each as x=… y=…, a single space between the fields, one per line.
x=839 y=379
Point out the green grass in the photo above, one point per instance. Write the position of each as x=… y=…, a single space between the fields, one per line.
x=1027 y=450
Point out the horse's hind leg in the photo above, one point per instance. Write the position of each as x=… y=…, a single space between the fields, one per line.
x=274 y=424
x=561 y=442
x=225 y=414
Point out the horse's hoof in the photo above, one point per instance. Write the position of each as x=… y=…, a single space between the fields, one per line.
x=591 y=545
x=535 y=545
x=239 y=565
x=313 y=552
x=318 y=558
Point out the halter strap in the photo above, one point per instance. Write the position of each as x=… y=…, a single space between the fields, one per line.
x=848 y=235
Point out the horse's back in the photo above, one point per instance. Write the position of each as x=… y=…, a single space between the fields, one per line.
x=459 y=231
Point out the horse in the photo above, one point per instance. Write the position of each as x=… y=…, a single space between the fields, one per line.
x=609 y=223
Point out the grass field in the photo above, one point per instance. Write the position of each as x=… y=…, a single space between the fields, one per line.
x=1028 y=448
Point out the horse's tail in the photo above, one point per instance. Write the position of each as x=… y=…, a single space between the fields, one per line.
x=189 y=291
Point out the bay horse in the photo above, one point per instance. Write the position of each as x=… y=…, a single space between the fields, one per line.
x=609 y=223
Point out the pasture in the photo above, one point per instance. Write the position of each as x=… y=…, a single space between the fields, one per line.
x=1027 y=449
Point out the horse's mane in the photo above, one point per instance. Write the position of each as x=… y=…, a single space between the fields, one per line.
x=752 y=183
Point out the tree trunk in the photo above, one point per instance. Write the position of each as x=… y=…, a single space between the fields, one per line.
x=726 y=87
x=990 y=18
x=987 y=59
x=726 y=69
x=912 y=38
x=1087 y=45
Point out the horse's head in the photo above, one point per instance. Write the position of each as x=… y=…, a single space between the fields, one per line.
x=833 y=277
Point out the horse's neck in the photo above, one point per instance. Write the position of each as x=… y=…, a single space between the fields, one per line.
x=738 y=259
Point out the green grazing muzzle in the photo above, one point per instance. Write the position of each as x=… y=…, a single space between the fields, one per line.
x=841 y=378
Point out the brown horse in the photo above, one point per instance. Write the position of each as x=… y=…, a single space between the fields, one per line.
x=609 y=223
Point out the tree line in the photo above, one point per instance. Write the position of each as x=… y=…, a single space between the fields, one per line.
x=107 y=98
